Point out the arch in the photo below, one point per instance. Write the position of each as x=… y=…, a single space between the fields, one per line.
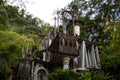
x=40 y=73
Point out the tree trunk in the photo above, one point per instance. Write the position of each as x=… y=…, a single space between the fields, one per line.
x=9 y=77
x=107 y=20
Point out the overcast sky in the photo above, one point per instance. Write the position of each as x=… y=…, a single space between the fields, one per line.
x=44 y=9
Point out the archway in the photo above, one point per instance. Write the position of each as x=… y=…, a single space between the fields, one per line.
x=40 y=73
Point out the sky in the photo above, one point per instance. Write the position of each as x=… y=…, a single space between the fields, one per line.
x=44 y=9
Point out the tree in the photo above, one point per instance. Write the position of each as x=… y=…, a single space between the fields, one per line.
x=3 y=22
x=10 y=52
x=102 y=20
x=96 y=16
x=17 y=29
x=110 y=54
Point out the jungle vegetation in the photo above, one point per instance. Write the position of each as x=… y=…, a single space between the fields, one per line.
x=101 y=21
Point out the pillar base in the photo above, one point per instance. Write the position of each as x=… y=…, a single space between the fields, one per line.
x=82 y=69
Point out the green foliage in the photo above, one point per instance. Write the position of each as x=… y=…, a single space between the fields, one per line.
x=3 y=21
x=13 y=24
x=10 y=52
x=110 y=62
x=94 y=14
x=93 y=75
x=8 y=37
x=110 y=54
x=97 y=14
x=60 y=74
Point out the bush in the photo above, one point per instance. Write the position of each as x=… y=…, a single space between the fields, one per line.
x=60 y=74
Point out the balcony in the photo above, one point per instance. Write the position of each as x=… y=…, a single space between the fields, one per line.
x=65 y=45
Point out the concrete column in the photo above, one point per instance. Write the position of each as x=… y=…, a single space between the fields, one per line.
x=66 y=61
x=77 y=30
x=97 y=58
x=50 y=41
x=82 y=56
x=93 y=56
x=44 y=56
